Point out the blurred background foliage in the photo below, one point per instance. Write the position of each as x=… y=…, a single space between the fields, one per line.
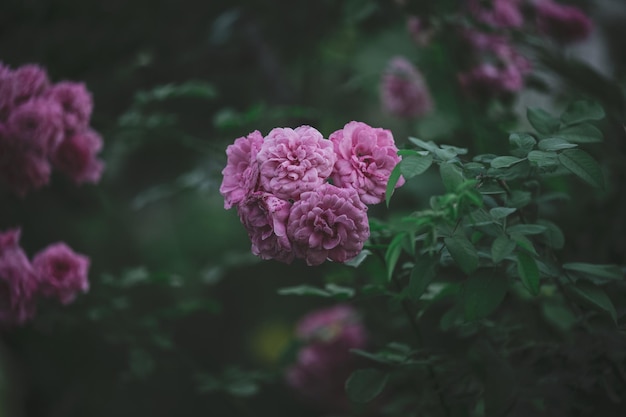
x=181 y=318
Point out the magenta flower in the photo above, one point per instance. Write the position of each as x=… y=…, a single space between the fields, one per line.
x=328 y=223
x=365 y=158
x=18 y=283
x=562 y=22
x=403 y=90
x=76 y=103
x=489 y=80
x=23 y=171
x=265 y=218
x=294 y=161
x=419 y=30
x=36 y=125
x=29 y=81
x=497 y=13
x=325 y=361
x=62 y=272
x=241 y=174
x=76 y=157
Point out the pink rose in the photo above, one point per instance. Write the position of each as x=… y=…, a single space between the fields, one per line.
x=562 y=22
x=365 y=158
x=497 y=13
x=62 y=272
x=324 y=362
x=18 y=283
x=76 y=157
x=23 y=171
x=265 y=218
x=294 y=161
x=241 y=174
x=36 y=125
x=76 y=103
x=403 y=90
x=489 y=80
x=330 y=222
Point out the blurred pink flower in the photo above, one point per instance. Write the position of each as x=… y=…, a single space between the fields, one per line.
x=404 y=92
x=241 y=174
x=419 y=30
x=562 y=22
x=365 y=158
x=328 y=223
x=490 y=80
x=23 y=171
x=497 y=13
x=324 y=362
x=76 y=103
x=265 y=218
x=18 y=282
x=76 y=157
x=62 y=272
x=295 y=161
x=36 y=126
x=28 y=81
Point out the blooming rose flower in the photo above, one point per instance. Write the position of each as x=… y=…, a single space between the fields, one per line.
x=76 y=103
x=497 y=13
x=76 y=157
x=265 y=218
x=293 y=161
x=325 y=361
x=365 y=158
x=23 y=171
x=36 y=125
x=18 y=283
x=562 y=22
x=241 y=174
x=28 y=81
x=489 y=80
x=403 y=90
x=330 y=222
x=62 y=272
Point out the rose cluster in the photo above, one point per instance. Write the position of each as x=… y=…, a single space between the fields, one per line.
x=324 y=361
x=404 y=92
x=45 y=125
x=300 y=195
x=56 y=271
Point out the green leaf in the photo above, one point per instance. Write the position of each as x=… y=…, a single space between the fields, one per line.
x=582 y=133
x=413 y=165
x=559 y=315
x=594 y=297
x=582 y=165
x=451 y=175
x=358 y=260
x=482 y=294
x=501 y=212
x=429 y=146
x=543 y=158
x=542 y=121
x=393 y=253
x=612 y=272
x=519 y=198
x=391 y=183
x=505 y=161
x=553 y=235
x=555 y=144
x=366 y=384
x=524 y=243
x=526 y=229
x=463 y=252
x=304 y=290
x=521 y=144
x=581 y=111
x=501 y=248
x=528 y=271
x=339 y=292
x=421 y=276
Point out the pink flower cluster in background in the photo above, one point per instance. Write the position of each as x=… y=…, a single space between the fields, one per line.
x=324 y=361
x=45 y=125
x=498 y=68
x=302 y=196
x=404 y=92
x=55 y=272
